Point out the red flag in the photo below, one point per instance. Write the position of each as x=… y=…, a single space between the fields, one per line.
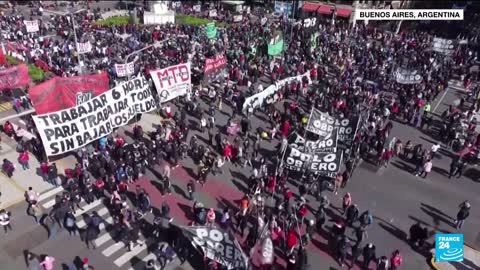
x=3 y=57
x=14 y=77
x=60 y=93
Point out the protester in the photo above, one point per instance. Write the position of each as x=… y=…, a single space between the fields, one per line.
x=462 y=214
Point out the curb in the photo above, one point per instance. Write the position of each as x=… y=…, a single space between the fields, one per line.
x=432 y=263
x=432 y=260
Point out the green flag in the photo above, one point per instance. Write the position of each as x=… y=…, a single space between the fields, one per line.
x=211 y=30
x=313 y=40
x=275 y=48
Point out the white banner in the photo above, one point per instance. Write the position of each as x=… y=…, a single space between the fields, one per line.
x=73 y=128
x=124 y=70
x=113 y=13
x=197 y=8
x=257 y=100
x=405 y=76
x=443 y=46
x=173 y=81
x=32 y=26
x=84 y=47
x=237 y=18
x=212 y=13
x=263 y=21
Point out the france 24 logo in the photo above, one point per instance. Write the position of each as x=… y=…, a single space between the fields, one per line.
x=448 y=247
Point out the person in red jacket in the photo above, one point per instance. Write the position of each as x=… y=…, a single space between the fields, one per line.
x=286 y=127
x=396 y=260
x=272 y=182
x=291 y=241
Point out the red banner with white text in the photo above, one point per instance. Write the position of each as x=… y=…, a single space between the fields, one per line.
x=14 y=77
x=214 y=65
x=61 y=93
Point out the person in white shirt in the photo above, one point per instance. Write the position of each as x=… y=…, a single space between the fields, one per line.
x=435 y=149
x=5 y=220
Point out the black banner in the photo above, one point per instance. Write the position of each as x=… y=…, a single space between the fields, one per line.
x=218 y=245
x=321 y=145
x=320 y=123
x=326 y=164
x=346 y=129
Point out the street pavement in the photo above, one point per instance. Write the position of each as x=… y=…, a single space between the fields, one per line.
x=394 y=195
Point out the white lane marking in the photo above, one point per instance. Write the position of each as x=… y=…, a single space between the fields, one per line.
x=102 y=239
x=102 y=212
x=87 y=208
x=441 y=99
x=113 y=248
x=127 y=256
x=50 y=193
x=49 y=204
x=145 y=259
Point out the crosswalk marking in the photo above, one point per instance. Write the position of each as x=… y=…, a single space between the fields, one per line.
x=113 y=248
x=129 y=255
x=88 y=207
x=49 y=204
x=26 y=134
x=50 y=193
x=102 y=239
x=100 y=212
x=5 y=106
x=145 y=259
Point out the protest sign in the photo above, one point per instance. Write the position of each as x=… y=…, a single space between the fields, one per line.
x=124 y=70
x=237 y=18
x=283 y=8
x=212 y=13
x=326 y=164
x=309 y=23
x=346 y=128
x=32 y=26
x=258 y=99
x=61 y=93
x=263 y=21
x=404 y=76
x=211 y=30
x=85 y=47
x=214 y=65
x=75 y=127
x=313 y=40
x=14 y=77
x=218 y=245
x=275 y=47
x=173 y=81
x=322 y=144
x=444 y=46
x=320 y=123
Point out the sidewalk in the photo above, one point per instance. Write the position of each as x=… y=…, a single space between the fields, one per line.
x=13 y=189
x=471 y=261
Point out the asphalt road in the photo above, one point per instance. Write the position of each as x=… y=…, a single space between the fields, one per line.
x=394 y=195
